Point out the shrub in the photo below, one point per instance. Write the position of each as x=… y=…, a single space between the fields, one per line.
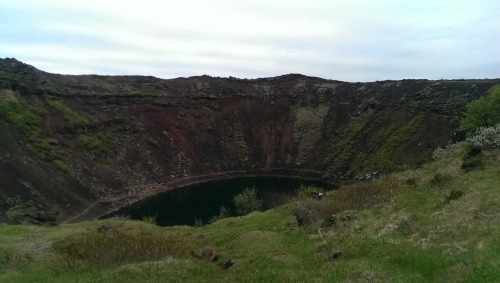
x=486 y=137
x=247 y=201
x=359 y=195
x=482 y=112
x=306 y=211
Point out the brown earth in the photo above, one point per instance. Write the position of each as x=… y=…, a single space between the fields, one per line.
x=168 y=133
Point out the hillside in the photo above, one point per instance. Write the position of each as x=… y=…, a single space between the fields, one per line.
x=437 y=223
x=73 y=148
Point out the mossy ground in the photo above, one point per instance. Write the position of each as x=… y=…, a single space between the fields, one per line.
x=424 y=232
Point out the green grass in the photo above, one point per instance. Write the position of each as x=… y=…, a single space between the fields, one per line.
x=61 y=166
x=100 y=145
x=342 y=151
x=402 y=134
x=16 y=112
x=71 y=117
x=442 y=226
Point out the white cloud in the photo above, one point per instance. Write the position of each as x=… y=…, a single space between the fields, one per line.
x=355 y=40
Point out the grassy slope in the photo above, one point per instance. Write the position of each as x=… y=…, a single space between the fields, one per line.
x=425 y=233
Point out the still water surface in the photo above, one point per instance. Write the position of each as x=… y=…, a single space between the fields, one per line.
x=183 y=206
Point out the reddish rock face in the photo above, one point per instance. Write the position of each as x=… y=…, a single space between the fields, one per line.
x=144 y=135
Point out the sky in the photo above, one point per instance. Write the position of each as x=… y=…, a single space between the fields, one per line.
x=355 y=40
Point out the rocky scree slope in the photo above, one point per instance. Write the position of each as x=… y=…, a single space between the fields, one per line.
x=76 y=147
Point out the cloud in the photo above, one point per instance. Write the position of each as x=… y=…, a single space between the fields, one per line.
x=357 y=40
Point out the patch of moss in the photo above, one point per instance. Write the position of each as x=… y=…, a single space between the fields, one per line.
x=343 y=151
x=402 y=134
x=61 y=166
x=154 y=142
x=16 y=112
x=71 y=117
x=99 y=144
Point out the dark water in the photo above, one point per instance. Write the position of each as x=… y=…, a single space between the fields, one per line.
x=202 y=201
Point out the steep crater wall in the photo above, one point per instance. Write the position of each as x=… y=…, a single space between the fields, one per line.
x=115 y=140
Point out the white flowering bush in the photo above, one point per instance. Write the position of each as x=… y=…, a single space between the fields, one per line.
x=486 y=137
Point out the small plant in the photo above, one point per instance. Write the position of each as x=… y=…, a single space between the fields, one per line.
x=247 y=201
x=139 y=127
x=223 y=213
x=150 y=219
x=154 y=142
x=306 y=191
x=198 y=223
x=61 y=166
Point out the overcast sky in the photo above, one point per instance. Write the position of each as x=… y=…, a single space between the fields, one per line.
x=350 y=40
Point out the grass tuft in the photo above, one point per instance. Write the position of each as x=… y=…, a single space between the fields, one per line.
x=112 y=244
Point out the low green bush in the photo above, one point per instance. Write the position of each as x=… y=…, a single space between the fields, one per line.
x=485 y=137
x=357 y=196
x=247 y=201
x=482 y=112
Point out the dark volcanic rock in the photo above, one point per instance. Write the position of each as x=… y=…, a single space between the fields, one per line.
x=117 y=139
